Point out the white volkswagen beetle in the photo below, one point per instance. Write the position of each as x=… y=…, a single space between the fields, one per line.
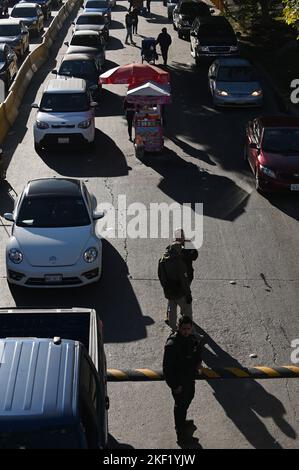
x=53 y=241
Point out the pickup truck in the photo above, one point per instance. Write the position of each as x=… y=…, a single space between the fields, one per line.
x=53 y=389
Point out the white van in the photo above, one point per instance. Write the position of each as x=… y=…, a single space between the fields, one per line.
x=65 y=114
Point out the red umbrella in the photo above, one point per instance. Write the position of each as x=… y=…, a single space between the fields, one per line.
x=134 y=74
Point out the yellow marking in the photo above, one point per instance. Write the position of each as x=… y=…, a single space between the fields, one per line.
x=269 y=371
x=208 y=372
x=117 y=373
x=238 y=372
x=149 y=373
x=293 y=369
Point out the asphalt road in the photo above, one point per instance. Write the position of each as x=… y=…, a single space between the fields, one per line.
x=248 y=238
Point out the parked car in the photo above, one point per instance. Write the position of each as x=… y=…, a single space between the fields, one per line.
x=98 y=6
x=8 y=64
x=15 y=34
x=184 y=14
x=92 y=22
x=171 y=4
x=88 y=42
x=53 y=241
x=212 y=37
x=65 y=114
x=82 y=66
x=272 y=150
x=45 y=5
x=234 y=82
x=31 y=14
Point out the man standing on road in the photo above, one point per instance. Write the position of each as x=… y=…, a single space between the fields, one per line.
x=134 y=14
x=181 y=361
x=129 y=26
x=172 y=272
x=164 y=40
x=129 y=109
x=189 y=254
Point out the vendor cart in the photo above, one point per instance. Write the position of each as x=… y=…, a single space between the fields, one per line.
x=149 y=100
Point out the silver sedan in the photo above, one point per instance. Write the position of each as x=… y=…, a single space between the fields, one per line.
x=234 y=82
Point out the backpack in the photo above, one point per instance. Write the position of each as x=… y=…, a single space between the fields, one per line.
x=169 y=285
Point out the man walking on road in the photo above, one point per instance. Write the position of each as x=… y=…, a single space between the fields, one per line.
x=172 y=272
x=181 y=361
x=129 y=109
x=164 y=40
x=129 y=26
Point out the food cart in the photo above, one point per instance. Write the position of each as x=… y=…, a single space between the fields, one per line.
x=149 y=100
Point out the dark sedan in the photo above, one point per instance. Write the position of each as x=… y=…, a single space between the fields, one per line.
x=82 y=66
x=14 y=33
x=272 y=150
x=8 y=64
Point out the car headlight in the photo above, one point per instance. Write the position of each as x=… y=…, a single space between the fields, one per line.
x=15 y=255
x=42 y=125
x=267 y=171
x=84 y=124
x=221 y=92
x=90 y=255
x=256 y=93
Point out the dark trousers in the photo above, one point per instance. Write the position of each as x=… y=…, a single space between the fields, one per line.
x=164 y=53
x=181 y=404
x=130 y=124
x=135 y=26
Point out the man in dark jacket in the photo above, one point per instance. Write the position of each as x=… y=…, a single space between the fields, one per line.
x=173 y=276
x=164 y=40
x=189 y=254
x=129 y=109
x=181 y=361
x=129 y=26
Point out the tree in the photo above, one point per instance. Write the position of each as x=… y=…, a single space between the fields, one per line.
x=291 y=12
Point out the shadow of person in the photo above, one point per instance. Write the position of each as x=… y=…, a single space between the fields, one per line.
x=105 y=160
x=114 y=44
x=112 y=297
x=116 y=25
x=195 y=185
x=245 y=401
x=7 y=197
x=189 y=441
x=114 y=444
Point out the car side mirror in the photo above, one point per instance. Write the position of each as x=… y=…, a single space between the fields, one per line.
x=97 y=215
x=24 y=32
x=93 y=104
x=73 y=23
x=9 y=216
x=35 y=105
x=54 y=72
x=212 y=11
x=67 y=43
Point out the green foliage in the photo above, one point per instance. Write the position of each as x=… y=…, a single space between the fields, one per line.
x=291 y=12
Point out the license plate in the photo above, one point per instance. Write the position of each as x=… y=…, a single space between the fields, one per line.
x=294 y=187
x=53 y=278
x=63 y=140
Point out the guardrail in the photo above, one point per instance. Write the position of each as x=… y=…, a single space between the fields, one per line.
x=9 y=109
x=260 y=372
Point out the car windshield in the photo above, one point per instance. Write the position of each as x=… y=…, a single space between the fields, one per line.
x=91 y=20
x=97 y=4
x=23 y=13
x=236 y=74
x=215 y=31
x=87 y=41
x=9 y=30
x=54 y=211
x=78 y=68
x=64 y=102
x=53 y=438
x=193 y=9
x=285 y=140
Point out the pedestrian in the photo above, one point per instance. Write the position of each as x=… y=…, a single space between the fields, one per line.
x=148 y=5
x=129 y=109
x=129 y=26
x=172 y=273
x=189 y=254
x=135 y=13
x=164 y=40
x=181 y=361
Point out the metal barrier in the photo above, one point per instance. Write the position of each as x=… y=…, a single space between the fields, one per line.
x=260 y=372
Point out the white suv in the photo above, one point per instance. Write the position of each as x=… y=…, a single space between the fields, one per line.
x=65 y=114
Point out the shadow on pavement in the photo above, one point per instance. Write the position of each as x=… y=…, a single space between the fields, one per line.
x=7 y=197
x=114 y=44
x=116 y=25
x=111 y=104
x=245 y=401
x=112 y=297
x=287 y=203
x=104 y=160
x=198 y=186
x=114 y=444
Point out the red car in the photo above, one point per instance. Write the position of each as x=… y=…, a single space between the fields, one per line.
x=272 y=150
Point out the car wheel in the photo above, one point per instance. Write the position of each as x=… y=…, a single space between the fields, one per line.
x=180 y=35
